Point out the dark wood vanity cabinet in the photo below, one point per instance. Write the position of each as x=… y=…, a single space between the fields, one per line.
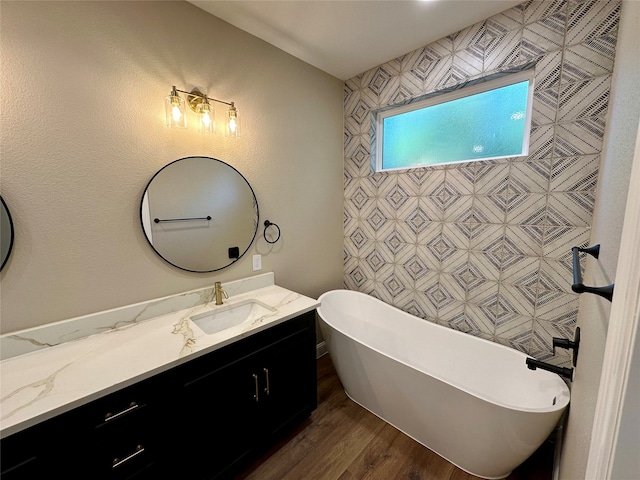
x=200 y=420
x=242 y=398
x=115 y=437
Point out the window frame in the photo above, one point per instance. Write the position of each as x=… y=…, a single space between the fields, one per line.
x=437 y=98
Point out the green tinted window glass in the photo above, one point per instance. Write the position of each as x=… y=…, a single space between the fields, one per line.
x=490 y=124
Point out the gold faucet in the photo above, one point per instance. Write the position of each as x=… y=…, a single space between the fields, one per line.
x=219 y=293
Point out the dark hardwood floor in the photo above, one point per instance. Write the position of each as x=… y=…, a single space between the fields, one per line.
x=343 y=441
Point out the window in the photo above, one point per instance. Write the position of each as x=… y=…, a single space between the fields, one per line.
x=488 y=120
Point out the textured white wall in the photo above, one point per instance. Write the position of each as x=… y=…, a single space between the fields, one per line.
x=82 y=86
x=608 y=217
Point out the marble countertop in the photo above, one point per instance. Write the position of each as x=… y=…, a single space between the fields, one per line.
x=40 y=384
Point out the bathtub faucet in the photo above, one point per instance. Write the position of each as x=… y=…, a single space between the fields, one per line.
x=532 y=364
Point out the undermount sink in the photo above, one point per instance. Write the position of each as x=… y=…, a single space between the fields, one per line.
x=225 y=317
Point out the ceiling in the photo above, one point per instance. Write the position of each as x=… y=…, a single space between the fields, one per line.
x=345 y=38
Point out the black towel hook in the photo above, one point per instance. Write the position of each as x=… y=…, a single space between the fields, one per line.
x=268 y=224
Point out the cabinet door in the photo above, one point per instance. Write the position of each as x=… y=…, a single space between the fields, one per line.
x=21 y=457
x=218 y=417
x=289 y=387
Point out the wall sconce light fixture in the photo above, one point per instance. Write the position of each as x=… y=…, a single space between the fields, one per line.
x=201 y=104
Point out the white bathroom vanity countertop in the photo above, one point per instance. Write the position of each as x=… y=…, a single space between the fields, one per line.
x=131 y=344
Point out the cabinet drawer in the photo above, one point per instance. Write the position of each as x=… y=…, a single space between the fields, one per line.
x=116 y=409
x=113 y=437
x=123 y=438
x=127 y=457
x=132 y=420
x=21 y=455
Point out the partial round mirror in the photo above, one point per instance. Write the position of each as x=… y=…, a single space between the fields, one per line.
x=199 y=214
x=6 y=233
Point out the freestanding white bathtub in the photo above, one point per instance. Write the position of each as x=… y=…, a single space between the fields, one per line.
x=471 y=401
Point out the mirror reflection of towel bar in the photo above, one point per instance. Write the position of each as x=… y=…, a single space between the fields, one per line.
x=578 y=286
x=158 y=220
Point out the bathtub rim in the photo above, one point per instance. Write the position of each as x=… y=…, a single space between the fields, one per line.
x=562 y=400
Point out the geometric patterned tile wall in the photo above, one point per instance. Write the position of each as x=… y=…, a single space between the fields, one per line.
x=484 y=247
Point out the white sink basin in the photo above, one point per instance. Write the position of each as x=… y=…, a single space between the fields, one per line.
x=225 y=317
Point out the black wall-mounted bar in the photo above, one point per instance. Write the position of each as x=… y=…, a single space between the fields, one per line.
x=158 y=220
x=578 y=286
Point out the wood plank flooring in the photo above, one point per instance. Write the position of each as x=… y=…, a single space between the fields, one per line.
x=343 y=441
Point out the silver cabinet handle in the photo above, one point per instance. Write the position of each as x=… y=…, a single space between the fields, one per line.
x=117 y=462
x=255 y=379
x=113 y=416
x=266 y=374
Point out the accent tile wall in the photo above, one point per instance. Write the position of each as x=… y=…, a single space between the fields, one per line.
x=485 y=247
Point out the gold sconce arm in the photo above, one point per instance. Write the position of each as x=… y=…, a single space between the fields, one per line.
x=195 y=98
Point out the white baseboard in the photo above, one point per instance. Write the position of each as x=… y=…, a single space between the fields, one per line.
x=321 y=349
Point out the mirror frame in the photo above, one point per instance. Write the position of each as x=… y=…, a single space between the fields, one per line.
x=5 y=209
x=255 y=204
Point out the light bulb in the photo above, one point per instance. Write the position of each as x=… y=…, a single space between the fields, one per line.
x=206 y=121
x=174 y=110
x=176 y=113
x=233 y=122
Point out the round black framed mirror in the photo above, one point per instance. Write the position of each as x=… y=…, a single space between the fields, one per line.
x=6 y=233
x=199 y=214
